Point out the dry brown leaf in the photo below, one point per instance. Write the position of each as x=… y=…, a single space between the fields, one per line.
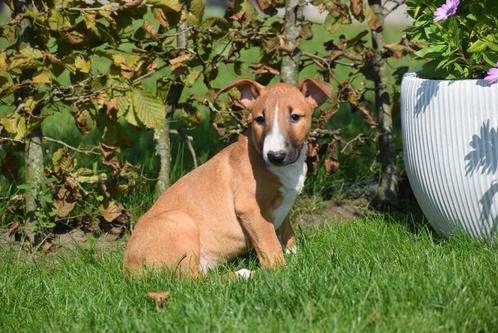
x=356 y=6
x=63 y=207
x=73 y=39
x=13 y=227
x=150 y=29
x=161 y=18
x=264 y=4
x=112 y=104
x=330 y=165
x=111 y=212
x=84 y=121
x=367 y=116
x=263 y=69
x=160 y=297
x=107 y=150
x=46 y=246
x=175 y=62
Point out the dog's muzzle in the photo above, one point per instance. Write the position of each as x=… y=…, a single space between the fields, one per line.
x=284 y=157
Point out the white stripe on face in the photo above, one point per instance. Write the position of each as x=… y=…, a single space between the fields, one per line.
x=275 y=140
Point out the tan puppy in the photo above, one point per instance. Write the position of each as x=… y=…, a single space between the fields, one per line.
x=239 y=198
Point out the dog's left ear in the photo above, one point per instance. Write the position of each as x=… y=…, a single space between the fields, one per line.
x=315 y=91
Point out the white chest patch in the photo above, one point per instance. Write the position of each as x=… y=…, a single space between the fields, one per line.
x=292 y=177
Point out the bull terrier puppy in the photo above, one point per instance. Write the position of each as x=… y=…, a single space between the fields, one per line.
x=239 y=198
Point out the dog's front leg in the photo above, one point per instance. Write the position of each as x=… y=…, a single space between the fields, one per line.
x=262 y=236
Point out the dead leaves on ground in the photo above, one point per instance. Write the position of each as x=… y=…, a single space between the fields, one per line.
x=159 y=297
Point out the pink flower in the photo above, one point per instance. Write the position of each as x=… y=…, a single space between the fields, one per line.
x=492 y=74
x=446 y=10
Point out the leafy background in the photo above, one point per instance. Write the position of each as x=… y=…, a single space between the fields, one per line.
x=97 y=80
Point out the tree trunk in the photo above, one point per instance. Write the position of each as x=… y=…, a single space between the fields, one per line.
x=34 y=175
x=292 y=30
x=388 y=181
x=33 y=157
x=161 y=136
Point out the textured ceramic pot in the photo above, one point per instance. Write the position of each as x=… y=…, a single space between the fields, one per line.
x=450 y=144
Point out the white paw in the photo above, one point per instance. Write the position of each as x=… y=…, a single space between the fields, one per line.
x=291 y=250
x=244 y=273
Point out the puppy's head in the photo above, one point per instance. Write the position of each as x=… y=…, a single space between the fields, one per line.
x=281 y=115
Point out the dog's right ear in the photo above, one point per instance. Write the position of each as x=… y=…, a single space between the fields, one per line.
x=249 y=91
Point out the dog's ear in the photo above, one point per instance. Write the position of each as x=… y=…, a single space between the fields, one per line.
x=315 y=91
x=249 y=91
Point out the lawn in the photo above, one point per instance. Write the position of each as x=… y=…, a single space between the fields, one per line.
x=370 y=274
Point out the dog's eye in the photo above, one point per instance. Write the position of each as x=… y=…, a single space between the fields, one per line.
x=260 y=120
x=294 y=118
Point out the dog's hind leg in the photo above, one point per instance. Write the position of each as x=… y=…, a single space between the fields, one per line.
x=287 y=237
x=170 y=240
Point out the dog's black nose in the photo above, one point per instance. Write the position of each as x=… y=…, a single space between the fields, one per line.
x=276 y=157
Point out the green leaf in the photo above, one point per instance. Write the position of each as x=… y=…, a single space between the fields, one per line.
x=25 y=186
x=477 y=46
x=471 y=17
x=89 y=20
x=307 y=30
x=26 y=58
x=488 y=60
x=331 y=24
x=434 y=49
x=22 y=63
x=42 y=77
x=132 y=118
x=149 y=109
x=249 y=10
x=123 y=105
x=197 y=9
x=118 y=58
x=31 y=53
x=6 y=82
x=490 y=42
x=174 y=5
x=57 y=22
x=191 y=78
x=15 y=125
x=82 y=65
x=415 y=13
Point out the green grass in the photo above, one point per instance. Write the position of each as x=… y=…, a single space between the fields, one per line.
x=368 y=275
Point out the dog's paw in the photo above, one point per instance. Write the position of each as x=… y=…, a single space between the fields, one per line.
x=291 y=250
x=244 y=274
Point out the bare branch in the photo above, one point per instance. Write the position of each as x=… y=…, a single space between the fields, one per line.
x=11 y=140
x=324 y=133
x=188 y=140
x=79 y=150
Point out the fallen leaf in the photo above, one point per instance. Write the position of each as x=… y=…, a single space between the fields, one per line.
x=111 y=212
x=13 y=227
x=160 y=297
x=46 y=246
x=330 y=165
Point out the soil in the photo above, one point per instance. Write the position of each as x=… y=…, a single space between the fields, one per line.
x=335 y=211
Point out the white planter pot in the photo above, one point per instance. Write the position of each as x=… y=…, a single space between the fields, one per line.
x=450 y=144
